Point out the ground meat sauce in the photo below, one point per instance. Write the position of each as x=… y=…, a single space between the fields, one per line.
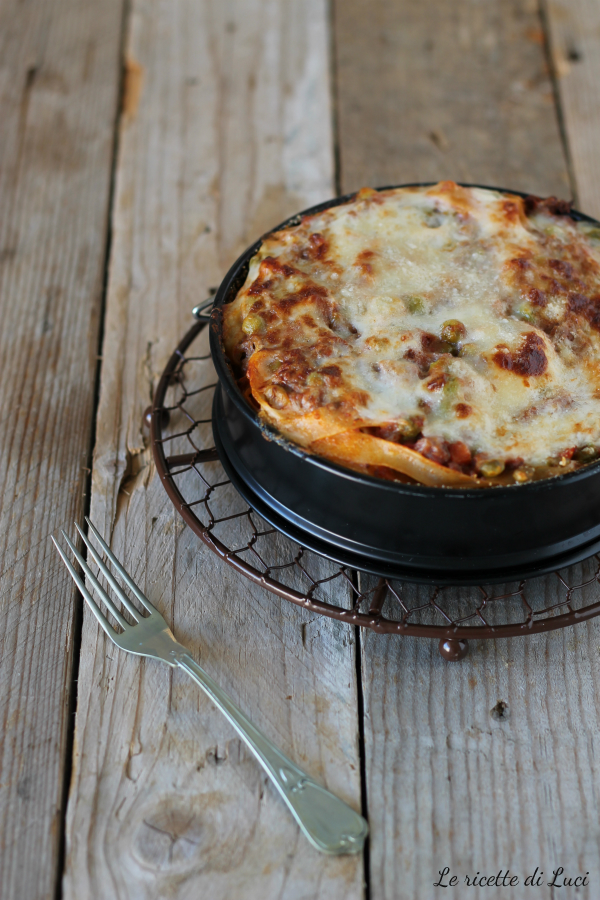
x=551 y=205
x=588 y=307
x=528 y=360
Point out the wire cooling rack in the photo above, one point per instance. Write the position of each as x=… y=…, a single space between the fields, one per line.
x=181 y=434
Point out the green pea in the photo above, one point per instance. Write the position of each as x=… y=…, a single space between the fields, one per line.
x=408 y=429
x=449 y=394
x=525 y=311
x=414 y=304
x=491 y=468
x=586 y=454
x=253 y=324
x=468 y=349
x=453 y=331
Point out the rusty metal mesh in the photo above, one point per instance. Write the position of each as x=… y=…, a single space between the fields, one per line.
x=196 y=482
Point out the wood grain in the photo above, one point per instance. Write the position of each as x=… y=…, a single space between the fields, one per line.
x=436 y=90
x=229 y=132
x=449 y=783
x=488 y=764
x=59 y=77
x=574 y=31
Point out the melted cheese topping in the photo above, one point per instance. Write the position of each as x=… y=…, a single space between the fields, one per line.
x=429 y=317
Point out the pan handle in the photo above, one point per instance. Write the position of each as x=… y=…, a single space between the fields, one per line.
x=198 y=311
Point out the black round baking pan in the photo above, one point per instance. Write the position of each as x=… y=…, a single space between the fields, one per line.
x=337 y=547
x=414 y=532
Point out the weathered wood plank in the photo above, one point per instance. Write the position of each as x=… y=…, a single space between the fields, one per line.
x=230 y=133
x=484 y=765
x=574 y=29
x=448 y=783
x=455 y=90
x=59 y=77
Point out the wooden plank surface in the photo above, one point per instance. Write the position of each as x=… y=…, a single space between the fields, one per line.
x=574 y=31
x=459 y=90
x=59 y=77
x=449 y=782
x=484 y=765
x=227 y=130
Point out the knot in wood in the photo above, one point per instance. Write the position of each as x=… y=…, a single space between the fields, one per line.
x=170 y=838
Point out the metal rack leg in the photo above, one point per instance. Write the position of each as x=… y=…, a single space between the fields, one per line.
x=453 y=650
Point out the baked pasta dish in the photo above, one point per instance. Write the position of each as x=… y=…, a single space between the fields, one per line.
x=443 y=335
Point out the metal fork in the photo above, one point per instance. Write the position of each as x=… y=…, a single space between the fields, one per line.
x=329 y=824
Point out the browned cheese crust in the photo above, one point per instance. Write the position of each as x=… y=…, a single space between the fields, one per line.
x=446 y=335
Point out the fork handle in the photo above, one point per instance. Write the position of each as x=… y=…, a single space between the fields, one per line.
x=329 y=824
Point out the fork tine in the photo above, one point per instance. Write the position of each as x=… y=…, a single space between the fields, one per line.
x=109 y=577
x=86 y=595
x=95 y=583
x=124 y=575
